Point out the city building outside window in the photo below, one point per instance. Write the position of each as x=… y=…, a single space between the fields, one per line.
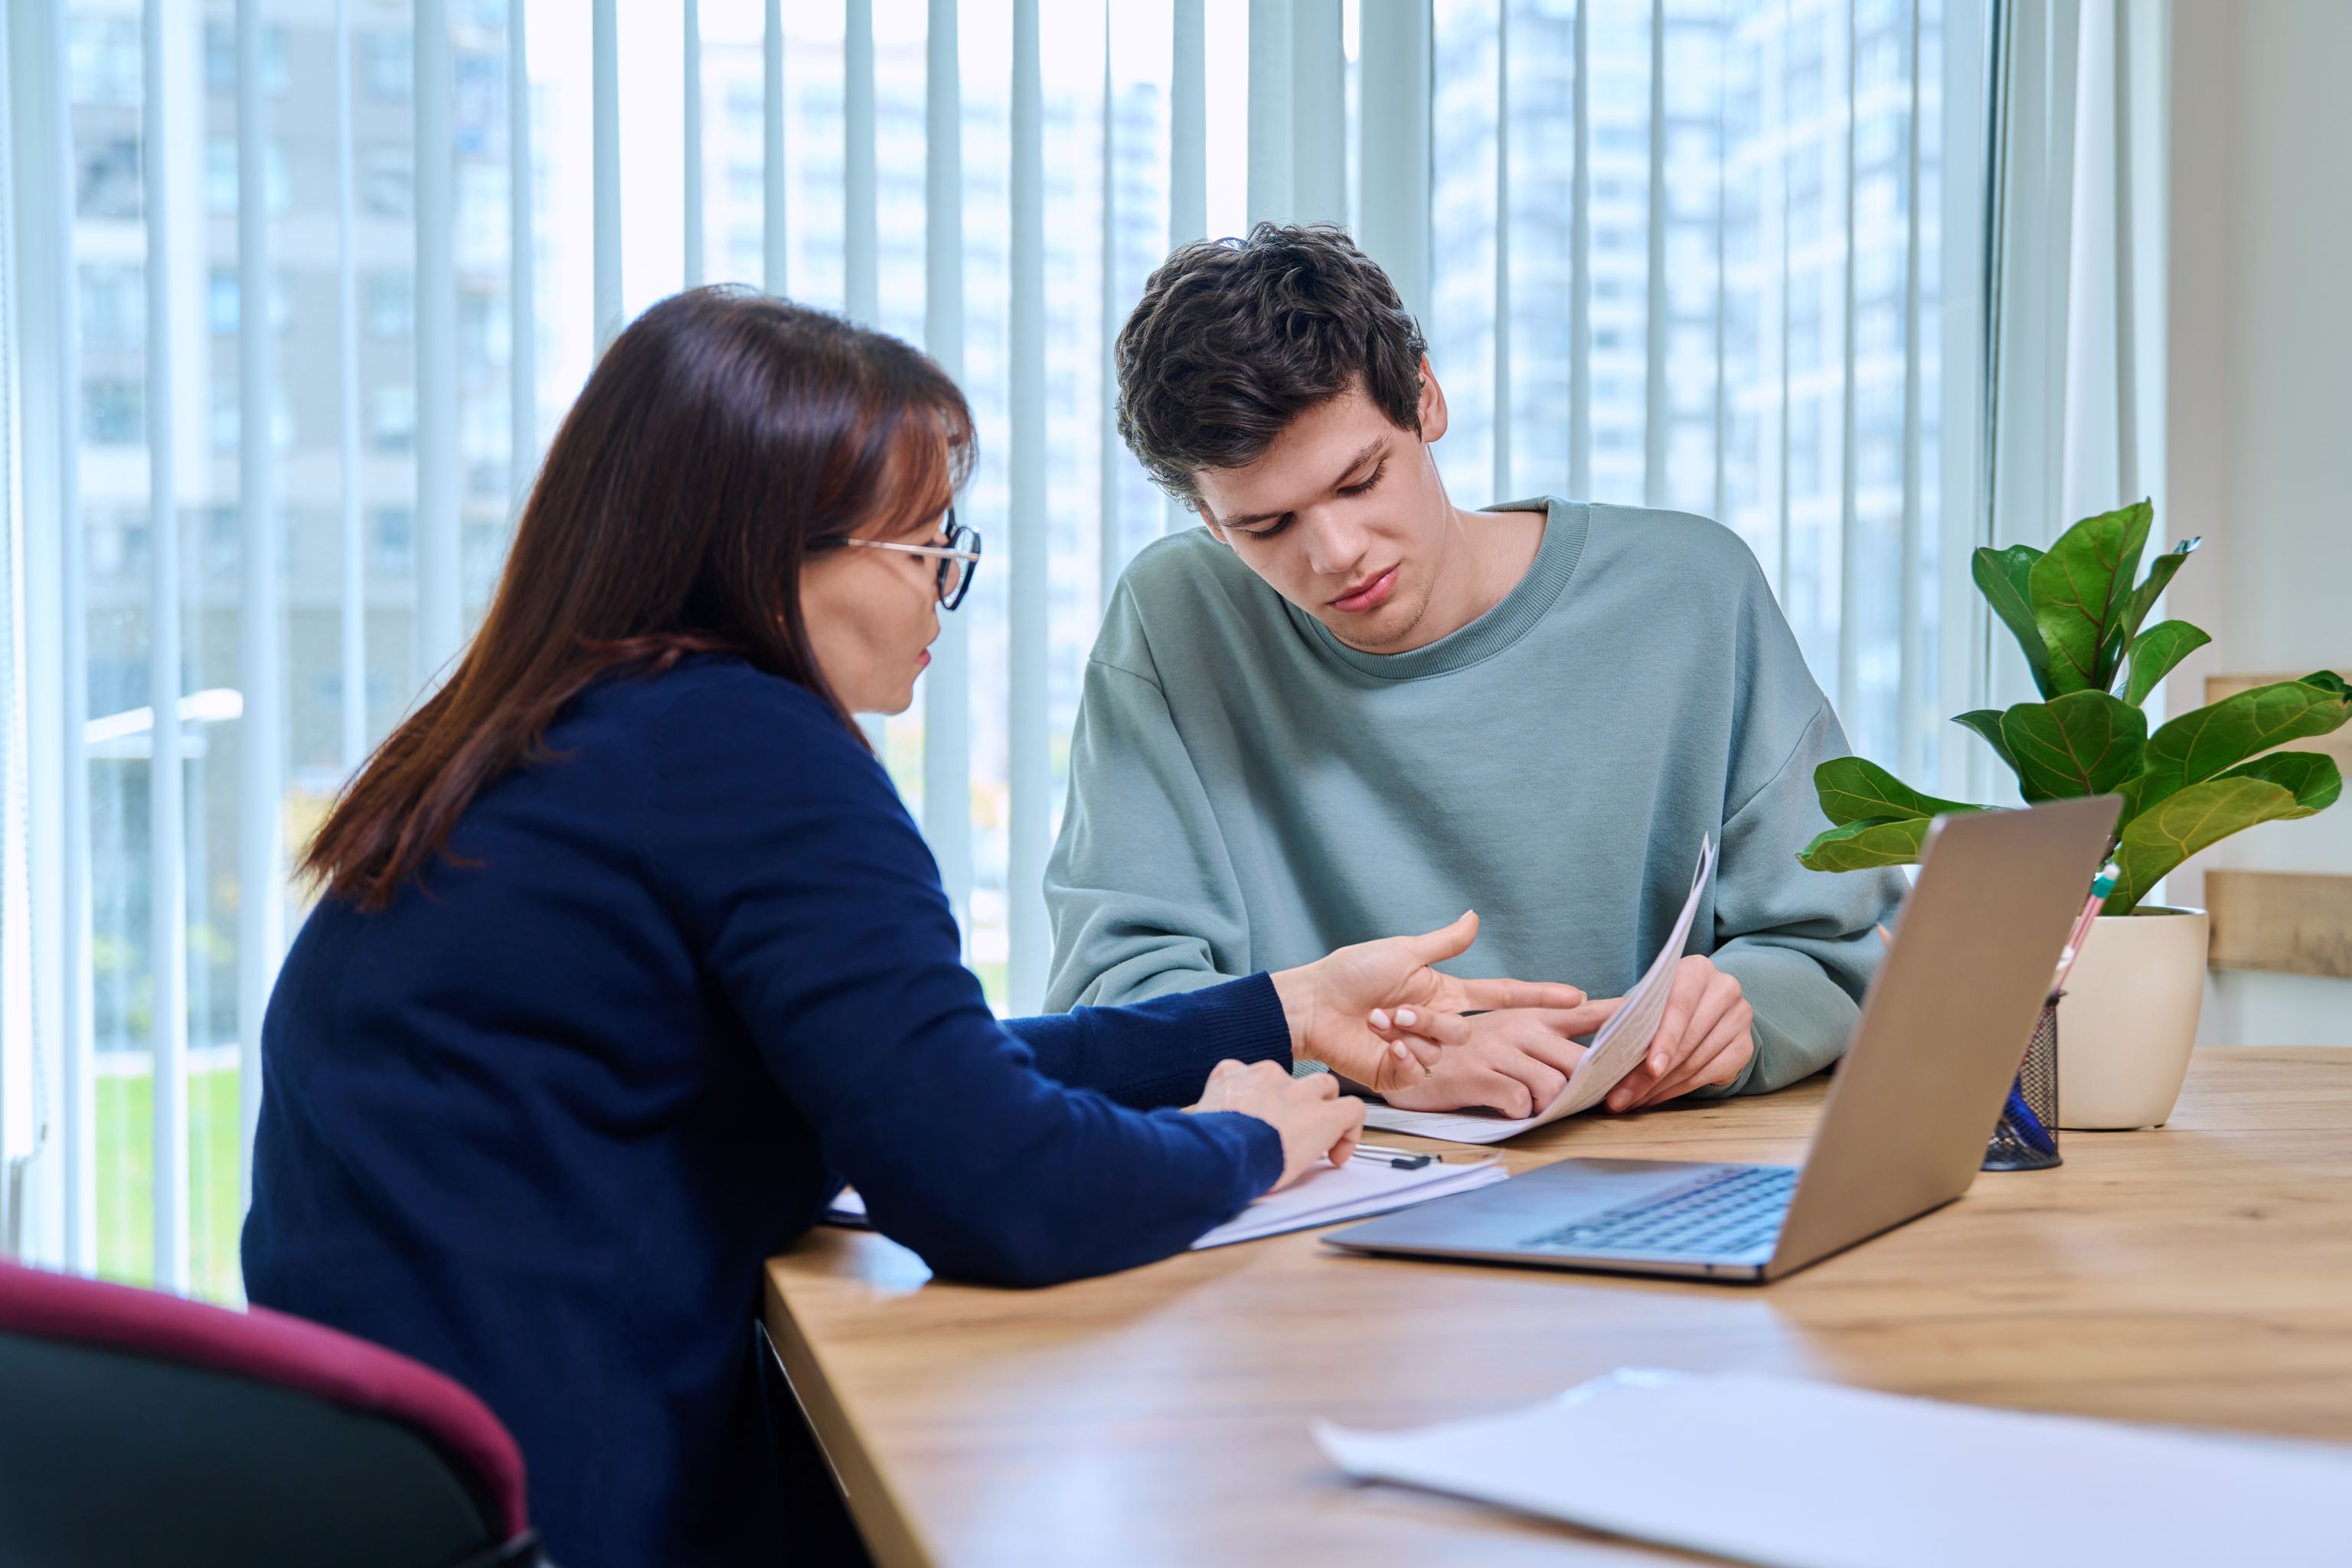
x=220 y=59
x=114 y=412
x=106 y=183
x=388 y=65
x=391 y=417
x=391 y=305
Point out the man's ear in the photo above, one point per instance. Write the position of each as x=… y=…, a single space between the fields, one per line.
x=1432 y=403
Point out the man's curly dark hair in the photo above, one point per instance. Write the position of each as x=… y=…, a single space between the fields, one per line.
x=1234 y=339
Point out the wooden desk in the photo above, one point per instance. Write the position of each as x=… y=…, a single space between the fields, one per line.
x=2198 y=1273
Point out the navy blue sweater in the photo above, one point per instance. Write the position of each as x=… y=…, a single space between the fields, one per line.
x=538 y=1123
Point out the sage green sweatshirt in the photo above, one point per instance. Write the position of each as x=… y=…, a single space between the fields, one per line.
x=1248 y=793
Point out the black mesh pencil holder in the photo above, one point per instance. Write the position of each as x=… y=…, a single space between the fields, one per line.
x=2026 y=1136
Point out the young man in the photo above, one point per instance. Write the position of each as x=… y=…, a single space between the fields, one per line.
x=1347 y=705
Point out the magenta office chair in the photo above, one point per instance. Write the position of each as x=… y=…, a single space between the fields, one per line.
x=137 y=1427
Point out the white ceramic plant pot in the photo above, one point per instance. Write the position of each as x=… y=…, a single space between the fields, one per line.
x=2129 y=1019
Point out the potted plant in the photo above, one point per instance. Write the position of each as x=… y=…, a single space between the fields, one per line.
x=2130 y=1013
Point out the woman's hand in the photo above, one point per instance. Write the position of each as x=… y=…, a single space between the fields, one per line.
x=1378 y=1013
x=1319 y=1124
x=1516 y=1061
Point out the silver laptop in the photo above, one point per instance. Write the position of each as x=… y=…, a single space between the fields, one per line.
x=1943 y=1028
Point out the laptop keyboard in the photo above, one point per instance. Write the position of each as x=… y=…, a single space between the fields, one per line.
x=1730 y=1212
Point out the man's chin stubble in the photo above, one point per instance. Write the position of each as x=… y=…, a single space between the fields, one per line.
x=1389 y=643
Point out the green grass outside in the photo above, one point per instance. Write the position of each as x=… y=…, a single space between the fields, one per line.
x=126 y=1180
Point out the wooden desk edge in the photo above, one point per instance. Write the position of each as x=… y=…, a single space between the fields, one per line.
x=881 y=1519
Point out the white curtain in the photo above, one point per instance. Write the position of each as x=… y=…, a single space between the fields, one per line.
x=1720 y=255
x=2078 y=348
x=23 y=1086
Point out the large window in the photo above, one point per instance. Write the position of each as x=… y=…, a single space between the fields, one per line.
x=1687 y=254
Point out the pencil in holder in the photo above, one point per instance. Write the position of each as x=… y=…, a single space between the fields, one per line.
x=2026 y=1136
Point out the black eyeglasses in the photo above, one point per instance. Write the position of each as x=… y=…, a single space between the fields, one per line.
x=959 y=558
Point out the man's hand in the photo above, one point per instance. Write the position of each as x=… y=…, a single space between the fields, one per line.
x=1516 y=1061
x=1706 y=1037
x=1339 y=1006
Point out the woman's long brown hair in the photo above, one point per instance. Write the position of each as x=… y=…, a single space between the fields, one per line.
x=723 y=439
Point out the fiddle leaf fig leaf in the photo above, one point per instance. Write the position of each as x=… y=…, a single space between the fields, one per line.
x=2085 y=743
x=2312 y=778
x=2154 y=654
x=1986 y=722
x=2159 y=576
x=2079 y=591
x=1853 y=789
x=2142 y=599
x=2198 y=746
x=1859 y=845
x=2139 y=794
x=2004 y=577
x=2268 y=789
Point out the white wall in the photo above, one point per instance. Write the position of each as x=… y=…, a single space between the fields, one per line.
x=2259 y=413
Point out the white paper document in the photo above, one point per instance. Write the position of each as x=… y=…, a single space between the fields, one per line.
x=1615 y=1051
x=1812 y=1475
x=1357 y=1190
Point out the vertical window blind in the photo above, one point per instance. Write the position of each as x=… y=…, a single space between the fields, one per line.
x=295 y=289
x=25 y=1090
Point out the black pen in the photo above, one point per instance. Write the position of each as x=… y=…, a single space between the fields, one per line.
x=1396 y=1159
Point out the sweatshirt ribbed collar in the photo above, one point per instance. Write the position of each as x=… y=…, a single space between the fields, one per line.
x=1527 y=603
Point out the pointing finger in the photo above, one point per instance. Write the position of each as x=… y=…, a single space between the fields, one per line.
x=1489 y=994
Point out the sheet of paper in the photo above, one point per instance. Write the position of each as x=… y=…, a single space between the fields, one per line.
x=1812 y=1475
x=1615 y=1051
x=1357 y=1190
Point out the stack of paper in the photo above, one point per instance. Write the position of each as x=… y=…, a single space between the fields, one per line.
x=1326 y=1196
x=1357 y=1190
x=1808 y=1475
x=1615 y=1051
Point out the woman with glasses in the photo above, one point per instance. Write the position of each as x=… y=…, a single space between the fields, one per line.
x=627 y=955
